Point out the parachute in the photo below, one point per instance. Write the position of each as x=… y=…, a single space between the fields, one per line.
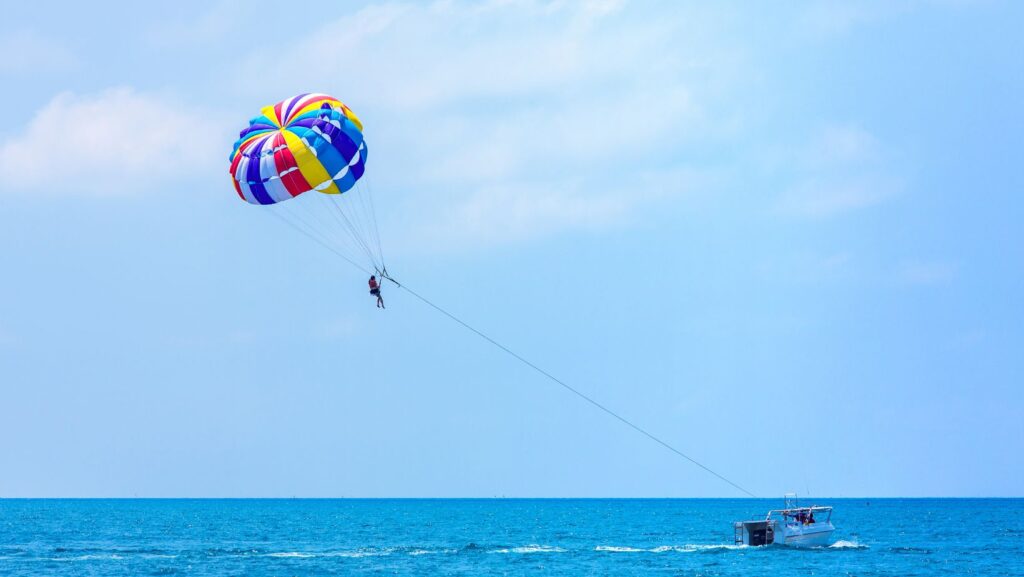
x=311 y=143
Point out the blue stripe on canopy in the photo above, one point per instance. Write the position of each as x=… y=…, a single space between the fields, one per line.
x=253 y=177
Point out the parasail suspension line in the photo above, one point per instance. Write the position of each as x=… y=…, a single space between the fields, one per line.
x=319 y=241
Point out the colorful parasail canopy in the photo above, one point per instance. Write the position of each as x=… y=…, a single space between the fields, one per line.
x=307 y=142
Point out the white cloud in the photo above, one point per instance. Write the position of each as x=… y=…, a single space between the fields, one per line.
x=336 y=329
x=517 y=212
x=825 y=197
x=842 y=169
x=557 y=138
x=115 y=142
x=925 y=273
x=810 y=266
x=7 y=338
x=969 y=338
x=225 y=338
x=222 y=20
x=416 y=56
x=827 y=19
x=507 y=120
x=29 y=51
x=838 y=145
x=835 y=18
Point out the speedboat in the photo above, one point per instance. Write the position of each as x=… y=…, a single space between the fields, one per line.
x=792 y=525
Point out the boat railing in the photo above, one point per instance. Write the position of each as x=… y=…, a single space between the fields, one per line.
x=793 y=512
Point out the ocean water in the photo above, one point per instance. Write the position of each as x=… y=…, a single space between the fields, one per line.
x=497 y=537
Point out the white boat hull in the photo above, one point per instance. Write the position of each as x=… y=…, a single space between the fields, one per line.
x=816 y=535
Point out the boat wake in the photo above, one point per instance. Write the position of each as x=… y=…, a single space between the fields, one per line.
x=841 y=544
x=93 y=555
x=689 y=548
x=530 y=549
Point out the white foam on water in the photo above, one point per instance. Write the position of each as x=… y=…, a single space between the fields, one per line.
x=359 y=554
x=842 y=544
x=111 y=557
x=714 y=547
x=695 y=548
x=538 y=549
x=431 y=552
x=689 y=548
x=531 y=549
x=347 y=554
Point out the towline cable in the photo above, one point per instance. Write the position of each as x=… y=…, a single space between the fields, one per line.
x=569 y=388
x=515 y=355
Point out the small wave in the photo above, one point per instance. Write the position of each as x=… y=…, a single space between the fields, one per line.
x=842 y=544
x=90 y=557
x=689 y=548
x=230 y=552
x=92 y=554
x=359 y=554
x=530 y=549
x=911 y=550
x=432 y=551
x=345 y=554
x=697 y=548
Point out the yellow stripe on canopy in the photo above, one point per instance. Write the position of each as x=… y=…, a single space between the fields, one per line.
x=309 y=165
x=315 y=104
x=352 y=116
x=271 y=115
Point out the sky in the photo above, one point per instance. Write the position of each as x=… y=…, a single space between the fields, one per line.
x=784 y=237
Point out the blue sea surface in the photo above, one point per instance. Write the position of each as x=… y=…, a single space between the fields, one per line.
x=286 y=537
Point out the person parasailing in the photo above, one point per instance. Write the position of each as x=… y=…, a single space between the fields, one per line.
x=375 y=291
x=312 y=146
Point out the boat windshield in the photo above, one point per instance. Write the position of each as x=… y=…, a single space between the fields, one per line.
x=804 y=515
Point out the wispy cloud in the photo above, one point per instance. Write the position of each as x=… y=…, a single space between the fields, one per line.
x=227 y=337
x=30 y=51
x=417 y=56
x=825 y=19
x=828 y=19
x=510 y=120
x=810 y=267
x=7 y=338
x=336 y=329
x=115 y=142
x=843 y=168
x=925 y=273
x=516 y=212
x=824 y=196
